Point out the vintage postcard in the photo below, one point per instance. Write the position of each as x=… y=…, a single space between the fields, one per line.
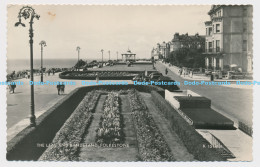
x=130 y=83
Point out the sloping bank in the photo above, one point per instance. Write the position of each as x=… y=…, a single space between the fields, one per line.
x=194 y=142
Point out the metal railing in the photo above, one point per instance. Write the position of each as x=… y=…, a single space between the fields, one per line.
x=185 y=117
x=214 y=50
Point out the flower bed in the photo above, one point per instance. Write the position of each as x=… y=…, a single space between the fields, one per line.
x=91 y=75
x=110 y=126
x=152 y=146
x=66 y=143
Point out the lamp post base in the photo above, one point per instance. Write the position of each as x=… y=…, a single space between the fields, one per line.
x=41 y=77
x=32 y=121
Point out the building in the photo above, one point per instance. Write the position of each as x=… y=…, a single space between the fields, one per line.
x=161 y=51
x=185 y=41
x=229 y=37
x=128 y=56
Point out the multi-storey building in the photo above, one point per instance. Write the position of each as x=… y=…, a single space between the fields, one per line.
x=229 y=37
x=185 y=41
x=164 y=49
x=161 y=51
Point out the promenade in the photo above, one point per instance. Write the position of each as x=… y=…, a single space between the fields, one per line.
x=45 y=96
x=231 y=102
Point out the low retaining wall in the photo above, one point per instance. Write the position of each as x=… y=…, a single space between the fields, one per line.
x=194 y=142
x=24 y=145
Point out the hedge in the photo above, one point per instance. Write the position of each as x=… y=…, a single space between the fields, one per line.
x=245 y=128
x=194 y=142
x=193 y=102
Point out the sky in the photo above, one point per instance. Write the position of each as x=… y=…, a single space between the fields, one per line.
x=107 y=27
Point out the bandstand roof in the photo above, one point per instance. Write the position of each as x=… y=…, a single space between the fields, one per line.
x=128 y=52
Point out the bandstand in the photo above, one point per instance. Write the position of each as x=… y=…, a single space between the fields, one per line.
x=128 y=56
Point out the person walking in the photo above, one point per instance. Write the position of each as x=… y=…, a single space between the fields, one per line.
x=166 y=71
x=97 y=77
x=62 y=88
x=58 y=88
x=12 y=87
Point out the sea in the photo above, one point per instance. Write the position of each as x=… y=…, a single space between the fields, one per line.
x=24 y=64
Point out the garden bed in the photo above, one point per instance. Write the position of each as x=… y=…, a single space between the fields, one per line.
x=110 y=127
x=66 y=143
x=104 y=75
x=152 y=145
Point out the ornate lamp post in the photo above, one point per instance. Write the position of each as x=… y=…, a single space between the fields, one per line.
x=78 y=49
x=102 y=56
x=28 y=12
x=116 y=56
x=43 y=44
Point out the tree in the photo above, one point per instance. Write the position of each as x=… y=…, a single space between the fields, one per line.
x=80 y=63
x=187 y=57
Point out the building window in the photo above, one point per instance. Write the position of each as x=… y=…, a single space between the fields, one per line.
x=245 y=27
x=217 y=28
x=210 y=46
x=219 y=13
x=244 y=11
x=217 y=45
x=210 y=31
x=244 y=45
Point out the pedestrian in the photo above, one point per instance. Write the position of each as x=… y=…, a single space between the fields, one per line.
x=12 y=87
x=180 y=72
x=166 y=71
x=62 y=88
x=53 y=72
x=97 y=77
x=58 y=88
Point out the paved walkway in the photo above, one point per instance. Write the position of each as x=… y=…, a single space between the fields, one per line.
x=179 y=151
x=236 y=104
x=236 y=141
x=207 y=78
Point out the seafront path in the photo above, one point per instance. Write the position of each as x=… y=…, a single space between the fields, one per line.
x=232 y=102
x=45 y=96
